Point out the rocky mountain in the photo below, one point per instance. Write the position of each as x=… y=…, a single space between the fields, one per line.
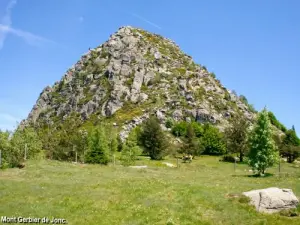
x=133 y=74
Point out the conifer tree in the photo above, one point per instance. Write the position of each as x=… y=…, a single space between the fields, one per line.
x=290 y=147
x=263 y=152
x=130 y=149
x=153 y=139
x=191 y=145
x=98 y=147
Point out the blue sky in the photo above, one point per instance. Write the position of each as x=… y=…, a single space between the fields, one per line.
x=252 y=46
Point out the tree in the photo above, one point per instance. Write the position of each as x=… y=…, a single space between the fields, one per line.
x=290 y=147
x=263 y=152
x=237 y=135
x=274 y=121
x=212 y=141
x=179 y=129
x=130 y=149
x=98 y=147
x=243 y=99
x=191 y=144
x=80 y=140
x=62 y=140
x=5 y=148
x=153 y=139
x=198 y=129
x=113 y=143
x=21 y=139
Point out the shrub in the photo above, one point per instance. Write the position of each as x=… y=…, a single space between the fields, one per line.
x=243 y=99
x=20 y=138
x=227 y=96
x=179 y=129
x=129 y=82
x=213 y=75
x=198 y=129
x=212 y=141
x=200 y=93
x=169 y=122
x=130 y=149
x=228 y=158
x=275 y=122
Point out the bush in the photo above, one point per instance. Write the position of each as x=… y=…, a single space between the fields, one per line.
x=129 y=154
x=213 y=75
x=243 y=99
x=198 y=129
x=130 y=149
x=212 y=141
x=228 y=158
x=21 y=138
x=169 y=123
x=179 y=129
x=275 y=122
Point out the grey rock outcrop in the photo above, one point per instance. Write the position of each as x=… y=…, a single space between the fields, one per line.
x=272 y=200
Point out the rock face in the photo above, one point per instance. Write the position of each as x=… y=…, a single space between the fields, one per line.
x=272 y=200
x=137 y=70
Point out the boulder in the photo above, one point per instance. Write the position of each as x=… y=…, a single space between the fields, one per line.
x=139 y=167
x=177 y=115
x=149 y=76
x=182 y=84
x=143 y=97
x=100 y=61
x=272 y=200
x=169 y=164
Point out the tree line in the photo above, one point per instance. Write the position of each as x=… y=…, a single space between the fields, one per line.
x=69 y=141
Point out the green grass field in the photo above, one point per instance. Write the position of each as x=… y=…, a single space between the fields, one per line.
x=195 y=193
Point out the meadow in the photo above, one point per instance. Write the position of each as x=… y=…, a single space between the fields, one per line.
x=195 y=193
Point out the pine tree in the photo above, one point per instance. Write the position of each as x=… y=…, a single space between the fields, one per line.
x=130 y=149
x=237 y=135
x=263 y=152
x=290 y=147
x=191 y=145
x=153 y=139
x=98 y=147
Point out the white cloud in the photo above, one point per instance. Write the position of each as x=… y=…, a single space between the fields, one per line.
x=147 y=21
x=6 y=21
x=30 y=38
x=6 y=28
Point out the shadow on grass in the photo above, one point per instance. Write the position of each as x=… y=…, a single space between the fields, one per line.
x=255 y=175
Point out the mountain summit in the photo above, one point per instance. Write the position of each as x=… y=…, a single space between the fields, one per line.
x=133 y=74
